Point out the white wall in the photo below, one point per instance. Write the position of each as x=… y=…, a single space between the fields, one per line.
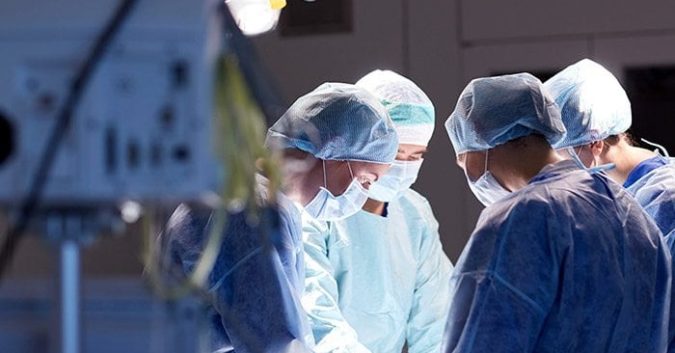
x=518 y=20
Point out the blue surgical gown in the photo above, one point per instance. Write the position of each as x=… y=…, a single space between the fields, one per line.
x=256 y=283
x=374 y=283
x=652 y=183
x=570 y=263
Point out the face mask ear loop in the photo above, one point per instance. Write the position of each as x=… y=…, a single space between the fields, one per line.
x=575 y=158
x=594 y=164
x=487 y=154
x=350 y=170
x=325 y=184
x=580 y=164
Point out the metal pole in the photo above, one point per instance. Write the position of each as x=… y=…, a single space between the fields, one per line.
x=67 y=231
x=70 y=296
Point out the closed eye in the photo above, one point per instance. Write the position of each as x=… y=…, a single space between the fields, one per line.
x=366 y=181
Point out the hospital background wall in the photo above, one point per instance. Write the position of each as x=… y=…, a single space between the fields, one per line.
x=441 y=45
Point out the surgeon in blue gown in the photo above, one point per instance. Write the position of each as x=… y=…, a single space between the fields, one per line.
x=256 y=283
x=561 y=259
x=597 y=114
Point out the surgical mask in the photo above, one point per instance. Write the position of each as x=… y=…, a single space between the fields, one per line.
x=592 y=169
x=398 y=179
x=327 y=207
x=486 y=188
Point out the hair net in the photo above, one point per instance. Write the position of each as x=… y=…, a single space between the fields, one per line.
x=494 y=110
x=337 y=121
x=409 y=107
x=593 y=105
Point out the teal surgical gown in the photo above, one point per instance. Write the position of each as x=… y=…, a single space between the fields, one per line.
x=374 y=283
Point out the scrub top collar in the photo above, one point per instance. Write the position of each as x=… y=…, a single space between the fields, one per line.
x=554 y=170
x=644 y=168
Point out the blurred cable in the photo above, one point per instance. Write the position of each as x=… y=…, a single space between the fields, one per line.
x=261 y=83
x=243 y=98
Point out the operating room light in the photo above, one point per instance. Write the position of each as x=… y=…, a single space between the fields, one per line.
x=256 y=16
x=131 y=211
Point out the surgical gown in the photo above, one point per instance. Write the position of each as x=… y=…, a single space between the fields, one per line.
x=256 y=283
x=374 y=283
x=653 y=185
x=570 y=263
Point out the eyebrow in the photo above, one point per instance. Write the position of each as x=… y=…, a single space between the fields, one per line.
x=425 y=150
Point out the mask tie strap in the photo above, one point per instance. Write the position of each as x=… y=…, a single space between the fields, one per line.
x=659 y=148
x=487 y=154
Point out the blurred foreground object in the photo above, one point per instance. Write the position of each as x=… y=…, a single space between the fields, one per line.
x=115 y=104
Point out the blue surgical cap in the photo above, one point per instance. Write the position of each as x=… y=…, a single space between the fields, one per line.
x=494 y=110
x=337 y=121
x=593 y=105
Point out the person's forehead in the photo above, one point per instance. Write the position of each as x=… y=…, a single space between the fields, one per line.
x=410 y=148
x=369 y=166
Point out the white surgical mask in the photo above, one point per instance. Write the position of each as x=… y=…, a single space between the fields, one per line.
x=486 y=188
x=327 y=207
x=398 y=179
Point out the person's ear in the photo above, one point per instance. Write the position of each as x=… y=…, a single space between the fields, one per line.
x=598 y=149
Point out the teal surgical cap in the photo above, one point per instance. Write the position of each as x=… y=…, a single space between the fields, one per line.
x=494 y=110
x=593 y=105
x=337 y=121
x=409 y=107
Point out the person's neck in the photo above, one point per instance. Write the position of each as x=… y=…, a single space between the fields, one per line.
x=515 y=165
x=625 y=158
x=374 y=207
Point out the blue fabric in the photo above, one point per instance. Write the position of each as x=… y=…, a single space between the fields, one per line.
x=593 y=105
x=256 y=282
x=644 y=168
x=494 y=110
x=337 y=121
x=570 y=263
x=376 y=282
x=655 y=192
